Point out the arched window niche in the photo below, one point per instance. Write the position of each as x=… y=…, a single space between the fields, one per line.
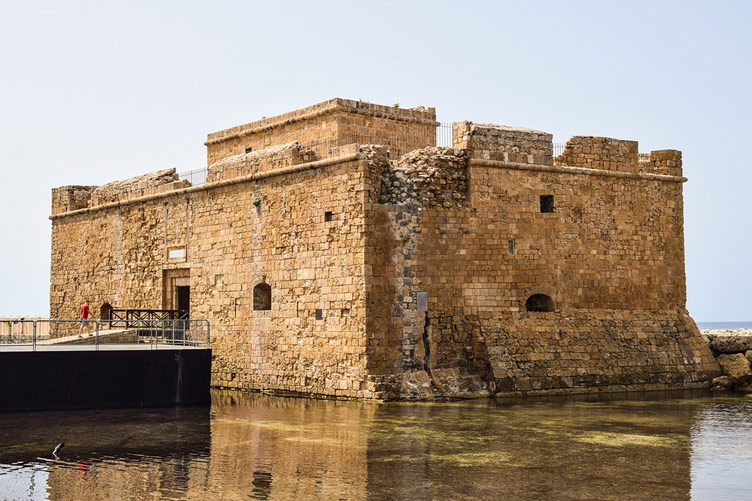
x=539 y=302
x=105 y=311
x=262 y=296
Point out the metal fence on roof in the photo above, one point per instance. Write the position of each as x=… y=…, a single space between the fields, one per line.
x=444 y=134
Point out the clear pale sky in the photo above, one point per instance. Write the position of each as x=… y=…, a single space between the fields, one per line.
x=97 y=91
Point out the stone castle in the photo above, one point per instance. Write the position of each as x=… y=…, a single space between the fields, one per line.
x=337 y=251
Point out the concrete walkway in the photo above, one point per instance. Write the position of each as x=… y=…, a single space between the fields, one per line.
x=100 y=347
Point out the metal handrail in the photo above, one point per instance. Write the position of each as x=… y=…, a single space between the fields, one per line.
x=174 y=332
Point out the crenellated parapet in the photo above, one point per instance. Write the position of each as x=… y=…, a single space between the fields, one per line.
x=70 y=198
x=667 y=162
x=605 y=153
x=505 y=143
x=338 y=252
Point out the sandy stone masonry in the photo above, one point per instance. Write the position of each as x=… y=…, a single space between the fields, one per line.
x=337 y=251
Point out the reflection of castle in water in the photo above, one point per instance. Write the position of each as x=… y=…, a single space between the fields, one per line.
x=262 y=447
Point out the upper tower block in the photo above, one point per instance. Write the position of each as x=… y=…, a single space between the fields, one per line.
x=327 y=125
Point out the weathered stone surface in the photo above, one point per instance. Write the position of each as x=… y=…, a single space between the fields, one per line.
x=133 y=187
x=721 y=383
x=400 y=277
x=748 y=354
x=731 y=344
x=257 y=161
x=737 y=367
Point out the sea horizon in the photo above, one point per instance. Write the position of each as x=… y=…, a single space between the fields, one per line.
x=724 y=325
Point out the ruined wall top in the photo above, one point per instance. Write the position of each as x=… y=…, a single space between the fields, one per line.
x=70 y=198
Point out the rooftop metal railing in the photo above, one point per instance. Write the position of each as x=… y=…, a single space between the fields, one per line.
x=196 y=176
x=51 y=334
x=444 y=135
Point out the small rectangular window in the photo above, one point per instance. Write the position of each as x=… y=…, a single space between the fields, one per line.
x=328 y=216
x=319 y=314
x=511 y=246
x=546 y=203
x=248 y=150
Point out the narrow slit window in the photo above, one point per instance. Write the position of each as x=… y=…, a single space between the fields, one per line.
x=319 y=314
x=511 y=246
x=327 y=216
x=546 y=203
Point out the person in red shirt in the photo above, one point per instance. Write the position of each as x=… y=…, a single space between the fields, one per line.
x=84 y=316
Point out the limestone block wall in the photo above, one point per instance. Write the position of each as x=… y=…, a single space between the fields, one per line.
x=600 y=153
x=501 y=142
x=327 y=125
x=667 y=162
x=70 y=198
x=138 y=186
x=258 y=161
x=610 y=254
x=304 y=239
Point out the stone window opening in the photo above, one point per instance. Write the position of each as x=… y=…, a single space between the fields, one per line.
x=105 y=312
x=511 y=246
x=546 y=203
x=539 y=302
x=328 y=216
x=262 y=297
x=248 y=150
x=319 y=314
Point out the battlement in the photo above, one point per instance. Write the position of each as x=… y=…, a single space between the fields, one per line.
x=529 y=146
x=505 y=143
x=336 y=127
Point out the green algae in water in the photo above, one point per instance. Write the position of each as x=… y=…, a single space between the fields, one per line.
x=459 y=459
x=627 y=439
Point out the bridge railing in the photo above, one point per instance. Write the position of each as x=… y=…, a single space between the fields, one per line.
x=129 y=317
x=53 y=334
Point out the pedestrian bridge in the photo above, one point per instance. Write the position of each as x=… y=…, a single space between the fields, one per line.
x=69 y=364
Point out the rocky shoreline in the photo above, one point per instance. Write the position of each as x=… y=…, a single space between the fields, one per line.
x=733 y=350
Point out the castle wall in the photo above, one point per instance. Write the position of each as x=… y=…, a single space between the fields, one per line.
x=327 y=125
x=401 y=277
x=270 y=230
x=611 y=255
